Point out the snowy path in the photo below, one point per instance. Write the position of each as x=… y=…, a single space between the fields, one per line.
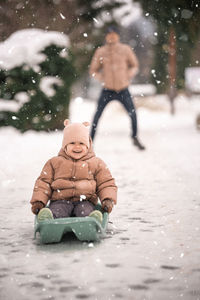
x=152 y=248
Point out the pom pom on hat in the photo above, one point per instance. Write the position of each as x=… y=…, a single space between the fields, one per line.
x=66 y=122
x=86 y=124
x=75 y=132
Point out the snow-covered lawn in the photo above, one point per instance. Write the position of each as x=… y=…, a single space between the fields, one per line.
x=152 y=248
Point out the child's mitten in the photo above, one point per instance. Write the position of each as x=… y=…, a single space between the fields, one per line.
x=107 y=205
x=36 y=206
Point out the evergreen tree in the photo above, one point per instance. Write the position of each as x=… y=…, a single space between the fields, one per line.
x=41 y=112
x=183 y=16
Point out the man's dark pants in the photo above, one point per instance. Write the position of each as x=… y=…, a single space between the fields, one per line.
x=124 y=98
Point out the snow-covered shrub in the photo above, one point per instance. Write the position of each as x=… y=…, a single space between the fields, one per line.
x=36 y=74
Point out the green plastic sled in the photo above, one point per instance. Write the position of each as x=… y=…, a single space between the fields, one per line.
x=84 y=228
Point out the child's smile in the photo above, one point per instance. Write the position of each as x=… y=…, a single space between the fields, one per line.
x=76 y=150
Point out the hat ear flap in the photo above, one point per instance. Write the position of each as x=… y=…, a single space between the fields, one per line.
x=86 y=124
x=66 y=122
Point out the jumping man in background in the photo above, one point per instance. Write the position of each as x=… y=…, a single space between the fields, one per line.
x=114 y=65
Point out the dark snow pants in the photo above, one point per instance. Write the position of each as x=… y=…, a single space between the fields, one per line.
x=124 y=98
x=64 y=208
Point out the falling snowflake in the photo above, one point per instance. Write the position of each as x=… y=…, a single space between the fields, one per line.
x=95 y=20
x=63 y=17
x=82 y=197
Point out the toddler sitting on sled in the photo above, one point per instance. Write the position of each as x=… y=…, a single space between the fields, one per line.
x=74 y=180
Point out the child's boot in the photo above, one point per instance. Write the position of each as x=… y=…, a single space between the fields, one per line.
x=97 y=215
x=45 y=214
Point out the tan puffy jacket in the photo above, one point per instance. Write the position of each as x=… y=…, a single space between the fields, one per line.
x=65 y=178
x=114 y=65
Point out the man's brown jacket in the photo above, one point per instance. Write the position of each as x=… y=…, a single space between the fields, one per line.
x=114 y=65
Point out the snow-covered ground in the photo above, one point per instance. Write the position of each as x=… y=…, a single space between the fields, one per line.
x=152 y=247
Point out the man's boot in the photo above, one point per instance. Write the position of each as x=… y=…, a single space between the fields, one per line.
x=138 y=144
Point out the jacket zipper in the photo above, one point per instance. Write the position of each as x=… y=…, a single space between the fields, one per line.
x=73 y=177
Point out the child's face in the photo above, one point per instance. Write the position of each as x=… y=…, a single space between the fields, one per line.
x=76 y=150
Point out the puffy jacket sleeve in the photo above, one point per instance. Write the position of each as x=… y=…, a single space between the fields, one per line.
x=42 y=190
x=106 y=187
x=133 y=63
x=96 y=66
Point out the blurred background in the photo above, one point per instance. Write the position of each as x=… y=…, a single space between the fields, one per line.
x=46 y=48
x=151 y=250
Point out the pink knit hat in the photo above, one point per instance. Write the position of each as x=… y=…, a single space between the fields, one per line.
x=75 y=132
